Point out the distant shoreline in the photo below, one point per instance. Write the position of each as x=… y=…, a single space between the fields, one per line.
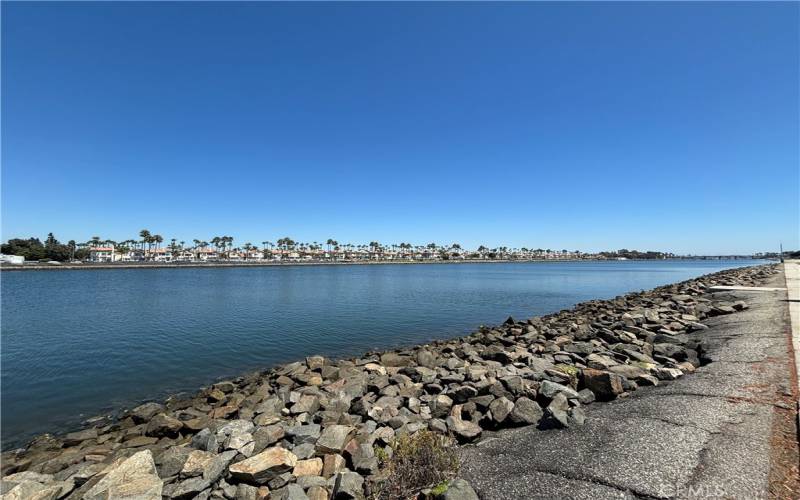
x=179 y=265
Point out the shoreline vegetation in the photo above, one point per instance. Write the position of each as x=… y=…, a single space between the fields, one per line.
x=325 y=428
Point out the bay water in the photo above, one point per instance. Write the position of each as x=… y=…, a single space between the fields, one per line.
x=75 y=344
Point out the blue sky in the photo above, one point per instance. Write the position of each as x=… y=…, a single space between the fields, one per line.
x=664 y=126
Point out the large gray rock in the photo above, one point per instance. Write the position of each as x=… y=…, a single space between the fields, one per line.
x=260 y=469
x=317 y=493
x=163 y=425
x=208 y=465
x=549 y=390
x=247 y=492
x=289 y=492
x=205 y=440
x=459 y=490
x=464 y=430
x=600 y=362
x=171 y=461
x=501 y=408
x=586 y=396
x=145 y=412
x=241 y=441
x=334 y=438
x=394 y=359
x=214 y=470
x=605 y=386
x=265 y=436
x=315 y=362
x=526 y=412
x=189 y=488
x=577 y=417
x=306 y=404
x=134 y=478
x=27 y=476
x=303 y=433
x=348 y=485
x=32 y=490
x=74 y=438
x=440 y=405
x=364 y=460
x=558 y=411
x=426 y=358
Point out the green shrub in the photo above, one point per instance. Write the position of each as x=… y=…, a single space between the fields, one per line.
x=421 y=461
x=440 y=488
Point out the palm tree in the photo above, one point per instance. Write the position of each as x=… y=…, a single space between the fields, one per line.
x=173 y=247
x=227 y=246
x=374 y=245
x=144 y=234
x=230 y=245
x=216 y=242
x=196 y=246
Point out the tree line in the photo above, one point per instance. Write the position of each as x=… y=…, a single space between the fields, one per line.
x=51 y=249
x=33 y=249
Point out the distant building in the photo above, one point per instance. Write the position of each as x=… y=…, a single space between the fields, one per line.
x=205 y=254
x=132 y=255
x=102 y=254
x=12 y=259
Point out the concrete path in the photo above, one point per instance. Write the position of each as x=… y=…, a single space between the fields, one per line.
x=792 y=270
x=746 y=288
x=706 y=435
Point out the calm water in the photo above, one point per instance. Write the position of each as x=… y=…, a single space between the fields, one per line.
x=79 y=343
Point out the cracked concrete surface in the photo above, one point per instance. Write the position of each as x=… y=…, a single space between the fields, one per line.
x=703 y=435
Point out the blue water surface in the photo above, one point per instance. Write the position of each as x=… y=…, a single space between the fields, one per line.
x=80 y=343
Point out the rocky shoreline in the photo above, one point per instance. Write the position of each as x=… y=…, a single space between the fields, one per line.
x=320 y=428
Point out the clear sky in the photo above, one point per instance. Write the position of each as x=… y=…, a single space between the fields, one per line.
x=659 y=126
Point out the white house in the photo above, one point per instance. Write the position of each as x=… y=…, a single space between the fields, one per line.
x=102 y=254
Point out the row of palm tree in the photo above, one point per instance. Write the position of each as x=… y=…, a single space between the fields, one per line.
x=150 y=244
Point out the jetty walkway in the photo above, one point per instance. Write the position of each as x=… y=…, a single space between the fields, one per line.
x=727 y=431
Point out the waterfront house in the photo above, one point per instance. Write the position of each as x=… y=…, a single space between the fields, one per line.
x=185 y=255
x=102 y=254
x=159 y=255
x=132 y=255
x=206 y=254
